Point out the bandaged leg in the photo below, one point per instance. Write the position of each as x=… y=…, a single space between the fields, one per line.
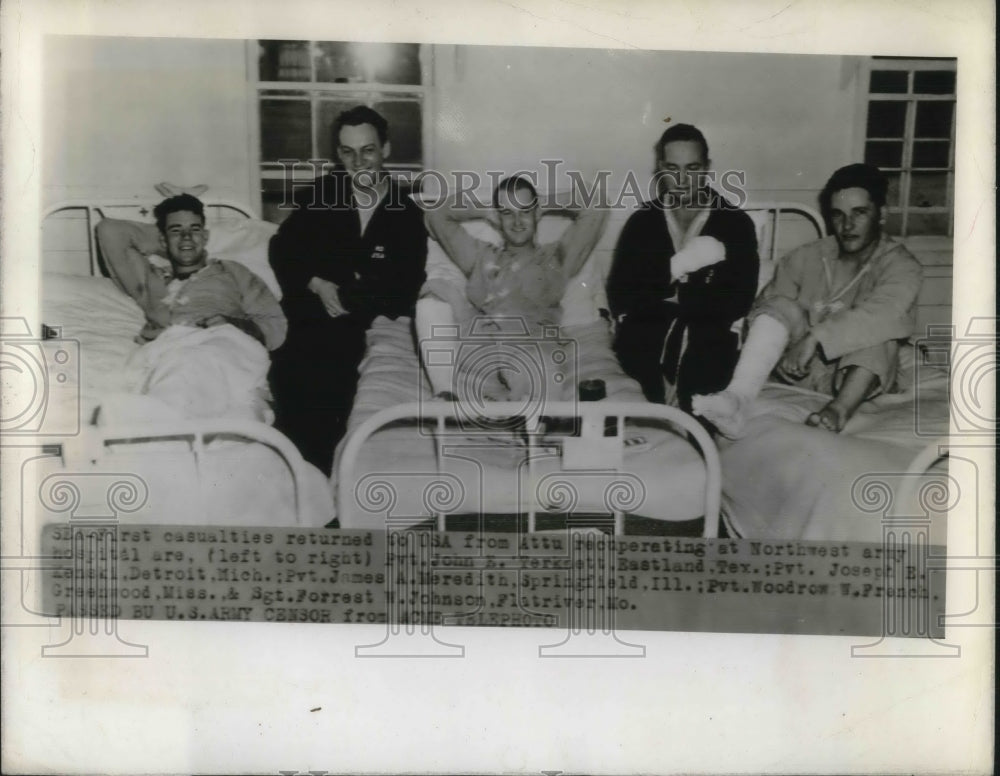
x=438 y=335
x=727 y=410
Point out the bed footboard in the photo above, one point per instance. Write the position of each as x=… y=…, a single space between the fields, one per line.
x=593 y=416
x=90 y=447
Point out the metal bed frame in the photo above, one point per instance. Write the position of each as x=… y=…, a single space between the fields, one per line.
x=593 y=413
x=196 y=433
x=95 y=211
x=440 y=413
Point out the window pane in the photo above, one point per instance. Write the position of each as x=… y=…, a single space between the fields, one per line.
x=934 y=82
x=929 y=189
x=927 y=223
x=934 y=119
x=284 y=130
x=326 y=113
x=884 y=154
x=886 y=118
x=894 y=224
x=398 y=63
x=387 y=63
x=930 y=153
x=405 y=130
x=339 y=63
x=887 y=82
x=892 y=197
x=283 y=60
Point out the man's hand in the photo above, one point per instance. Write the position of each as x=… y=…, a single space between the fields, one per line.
x=327 y=291
x=243 y=324
x=795 y=363
x=699 y=253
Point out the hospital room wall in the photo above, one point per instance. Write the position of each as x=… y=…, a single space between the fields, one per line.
x=786 y=121
x=123 y=114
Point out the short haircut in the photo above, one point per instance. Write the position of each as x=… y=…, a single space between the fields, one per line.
x=682 y=133
x=358 y=115
x=855 y=176
x=510 y=186
x=181 y=203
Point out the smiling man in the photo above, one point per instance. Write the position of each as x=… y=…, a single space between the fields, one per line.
x=353 y=249
x=195 y=290
x=832 y=317
x=516 y=287
x=684 y=271
x=209 y=323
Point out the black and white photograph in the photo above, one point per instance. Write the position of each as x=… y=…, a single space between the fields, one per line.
x=562 y=387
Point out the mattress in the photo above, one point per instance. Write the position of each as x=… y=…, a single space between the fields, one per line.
x=231 y=481
x=785 y=480
x=396 y=477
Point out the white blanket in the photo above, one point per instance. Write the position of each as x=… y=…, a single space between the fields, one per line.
x=190 y=373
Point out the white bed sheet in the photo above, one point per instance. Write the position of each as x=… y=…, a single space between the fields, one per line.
x=785 y=480
x=485 y=476
x=241 y=483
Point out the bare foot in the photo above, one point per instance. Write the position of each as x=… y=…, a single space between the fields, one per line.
x=832 y=417
x=725 y=410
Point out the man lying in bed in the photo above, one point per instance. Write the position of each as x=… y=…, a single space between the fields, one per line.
x=512 y=291
x=832 y=317
x=208 y=322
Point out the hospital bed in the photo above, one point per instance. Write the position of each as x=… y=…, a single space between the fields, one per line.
x=408 y=460
x=212 y=472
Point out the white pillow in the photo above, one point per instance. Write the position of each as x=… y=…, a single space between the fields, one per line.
x=245 y=241
x=584 y=295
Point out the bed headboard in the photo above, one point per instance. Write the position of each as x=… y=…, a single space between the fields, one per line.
x=68 y=242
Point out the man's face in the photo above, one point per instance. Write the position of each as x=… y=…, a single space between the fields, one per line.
x=855 y=220
x=681 y=170
x=518 y=219
x=361 y=153
x=185 y=237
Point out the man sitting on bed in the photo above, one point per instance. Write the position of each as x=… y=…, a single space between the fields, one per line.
x=685 y=270
x=832 y=317
x=353 y=249
x=209 y=323
x=512 y=291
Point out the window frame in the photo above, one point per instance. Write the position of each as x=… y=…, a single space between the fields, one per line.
x=911 y=65
x=368 y=93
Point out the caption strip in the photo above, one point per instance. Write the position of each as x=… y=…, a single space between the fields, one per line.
x=576 y=579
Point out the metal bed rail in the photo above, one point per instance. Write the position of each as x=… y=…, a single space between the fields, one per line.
x=94 y=211
x=593 y=414
x=921 y=464
x=775 y=211
x=91 y=446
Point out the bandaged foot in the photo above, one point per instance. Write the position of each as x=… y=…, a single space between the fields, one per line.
x=726 y=410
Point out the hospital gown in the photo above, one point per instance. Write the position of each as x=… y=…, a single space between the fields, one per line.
x=858 y=323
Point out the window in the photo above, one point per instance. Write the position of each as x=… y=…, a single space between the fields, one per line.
x=301 y=87
x=910 y=135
